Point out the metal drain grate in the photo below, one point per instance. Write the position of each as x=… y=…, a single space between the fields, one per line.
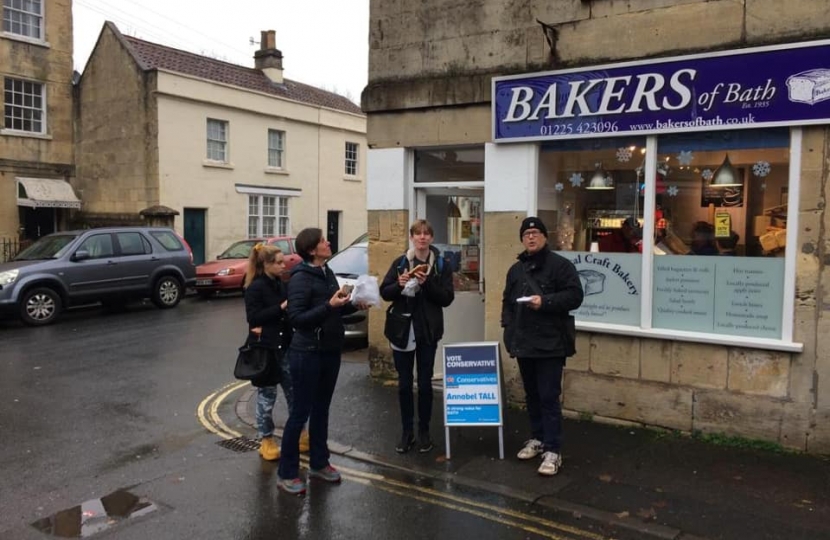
x=240 y=444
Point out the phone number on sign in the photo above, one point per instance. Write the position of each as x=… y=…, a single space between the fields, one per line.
x=580 y=128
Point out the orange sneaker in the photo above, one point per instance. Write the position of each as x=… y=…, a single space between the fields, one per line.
x=269 y=450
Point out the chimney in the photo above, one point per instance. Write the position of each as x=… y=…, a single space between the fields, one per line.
x=268 y=58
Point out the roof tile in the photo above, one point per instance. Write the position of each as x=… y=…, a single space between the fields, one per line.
x=155 y=56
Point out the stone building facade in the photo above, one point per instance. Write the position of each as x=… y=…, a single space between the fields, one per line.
x=226 y=152
x=431 y=80
x=36 y=136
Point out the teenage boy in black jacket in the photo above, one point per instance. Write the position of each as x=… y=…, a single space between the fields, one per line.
x=434 y=292
x=541 y=289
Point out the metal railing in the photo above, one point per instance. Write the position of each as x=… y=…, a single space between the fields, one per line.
x=10 y=247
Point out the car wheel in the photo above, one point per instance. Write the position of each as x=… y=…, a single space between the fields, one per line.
x=168 y=292
x=40 y=306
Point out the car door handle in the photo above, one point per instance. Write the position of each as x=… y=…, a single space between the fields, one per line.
x=111 y=263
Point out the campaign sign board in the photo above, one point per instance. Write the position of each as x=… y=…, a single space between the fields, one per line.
x=472 y=395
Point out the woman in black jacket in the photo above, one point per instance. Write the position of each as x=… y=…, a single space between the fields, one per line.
x=265 y=303
x=426 y=308
x=316 y=305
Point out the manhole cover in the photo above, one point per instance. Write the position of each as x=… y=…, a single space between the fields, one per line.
x=96 y=515
x=240 y=444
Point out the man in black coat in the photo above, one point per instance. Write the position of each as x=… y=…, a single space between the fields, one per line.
x=542 y=288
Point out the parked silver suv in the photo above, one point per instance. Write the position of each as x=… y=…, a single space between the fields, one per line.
x=110 y=265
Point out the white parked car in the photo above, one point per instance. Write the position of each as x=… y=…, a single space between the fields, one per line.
x=347 y=264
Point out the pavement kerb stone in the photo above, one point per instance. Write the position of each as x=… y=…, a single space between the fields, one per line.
x=652 y=529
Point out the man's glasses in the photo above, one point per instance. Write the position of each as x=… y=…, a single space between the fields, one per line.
x=531 y=234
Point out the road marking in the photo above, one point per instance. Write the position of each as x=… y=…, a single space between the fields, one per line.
x=210 y=419
x=208 y=415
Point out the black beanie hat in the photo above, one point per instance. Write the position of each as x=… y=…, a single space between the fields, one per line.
x=532 y=223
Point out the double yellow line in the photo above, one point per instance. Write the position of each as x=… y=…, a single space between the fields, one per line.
x=208 y=411
x=208 y=414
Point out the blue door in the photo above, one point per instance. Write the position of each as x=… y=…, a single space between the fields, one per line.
x=194 y=232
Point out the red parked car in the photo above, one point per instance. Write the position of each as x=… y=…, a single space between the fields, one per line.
x=227 y=272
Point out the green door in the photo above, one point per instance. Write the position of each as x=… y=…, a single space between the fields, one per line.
x=194 y=232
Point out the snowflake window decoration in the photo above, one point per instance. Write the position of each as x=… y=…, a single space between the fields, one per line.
x=559 y=186
x=576 y=179
x=623 y=154
x=761 y=169
x=672 y=191
x=685 y=157
x=707 y=174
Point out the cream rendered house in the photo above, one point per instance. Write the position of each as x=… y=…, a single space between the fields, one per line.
x=234 y=152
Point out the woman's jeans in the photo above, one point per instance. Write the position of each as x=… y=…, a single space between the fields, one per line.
x=542 y=378
x=266 y=397
x=314 y=376
x=405 y=362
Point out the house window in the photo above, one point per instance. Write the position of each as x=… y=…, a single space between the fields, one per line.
x=276 y=148
x=217 y=140
x=267 y=216
x=351 y=158
x=24 y=106
x=23 y=17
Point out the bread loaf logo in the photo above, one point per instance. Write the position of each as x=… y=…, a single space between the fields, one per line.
x=593 y=282
x=811 y=86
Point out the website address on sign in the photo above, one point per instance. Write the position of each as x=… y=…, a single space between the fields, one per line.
x=587 y=128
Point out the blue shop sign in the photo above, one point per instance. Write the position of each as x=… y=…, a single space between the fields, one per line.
x=748 y=88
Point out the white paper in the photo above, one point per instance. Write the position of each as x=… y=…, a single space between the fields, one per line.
x=524 y=299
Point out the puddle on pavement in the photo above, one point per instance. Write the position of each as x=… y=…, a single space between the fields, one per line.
x=96 y=515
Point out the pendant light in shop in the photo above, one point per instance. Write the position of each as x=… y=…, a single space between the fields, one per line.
x=600 y=179
x=453 y=211
x=725 y=175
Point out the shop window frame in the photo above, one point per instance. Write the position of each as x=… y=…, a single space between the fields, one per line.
x=646 y=329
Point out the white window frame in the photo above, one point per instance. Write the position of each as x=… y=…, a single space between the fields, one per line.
x=221 y=143
x=30 y=16
x=42 y=110
x=276 y=149
x=352 y=157
x=261 y=207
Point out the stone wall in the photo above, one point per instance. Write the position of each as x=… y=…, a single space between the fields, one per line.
x=117 y=130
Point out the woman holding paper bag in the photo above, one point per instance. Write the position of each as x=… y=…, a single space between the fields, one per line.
x=419 y=285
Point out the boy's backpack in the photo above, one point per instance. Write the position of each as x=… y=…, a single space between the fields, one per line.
x=403 y=265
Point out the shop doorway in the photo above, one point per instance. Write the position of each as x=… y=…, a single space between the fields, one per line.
x=456 y=217
x=37 y=222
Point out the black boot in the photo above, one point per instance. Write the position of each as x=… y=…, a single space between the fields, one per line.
x=424 y=442
x=406 y=444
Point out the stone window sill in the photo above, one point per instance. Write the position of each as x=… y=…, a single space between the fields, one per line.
x=217 y=164
x=24 y=39
x=28 y=134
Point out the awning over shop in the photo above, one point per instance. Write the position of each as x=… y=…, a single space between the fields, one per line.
x=46 y=193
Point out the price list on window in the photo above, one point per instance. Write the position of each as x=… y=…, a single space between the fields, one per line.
x=723 y=295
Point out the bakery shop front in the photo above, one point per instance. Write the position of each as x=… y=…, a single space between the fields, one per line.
x=668 y=184
x=685 y=192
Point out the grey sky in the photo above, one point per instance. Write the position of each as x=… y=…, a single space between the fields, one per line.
x=324 y=42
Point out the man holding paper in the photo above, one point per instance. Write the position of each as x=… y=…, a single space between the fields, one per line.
x=541 y=290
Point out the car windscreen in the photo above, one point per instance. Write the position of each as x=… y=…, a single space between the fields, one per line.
x=239 y=250
x=351 y=262
x=48 y=247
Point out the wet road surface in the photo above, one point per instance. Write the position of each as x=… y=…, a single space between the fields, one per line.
x=104 y=402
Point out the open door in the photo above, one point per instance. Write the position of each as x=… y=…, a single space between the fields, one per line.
x=455 y=216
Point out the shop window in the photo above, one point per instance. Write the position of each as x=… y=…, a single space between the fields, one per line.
x=591 y=199
x=719 y=221
x=720 y=239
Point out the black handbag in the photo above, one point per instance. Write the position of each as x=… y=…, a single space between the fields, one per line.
x=396 y=328
x=252 y=361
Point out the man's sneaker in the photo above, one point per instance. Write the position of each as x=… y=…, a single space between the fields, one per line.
x=304 y=441
x=327 y=473
x=532 y=448
x=268 y=449
x=294 y=486
x=407 y=442
x=424 y=442
x=551 y=462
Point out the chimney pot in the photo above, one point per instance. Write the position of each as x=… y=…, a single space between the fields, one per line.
x=268 y=58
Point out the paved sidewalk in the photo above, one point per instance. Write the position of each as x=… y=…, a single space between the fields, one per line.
x=663 y=485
